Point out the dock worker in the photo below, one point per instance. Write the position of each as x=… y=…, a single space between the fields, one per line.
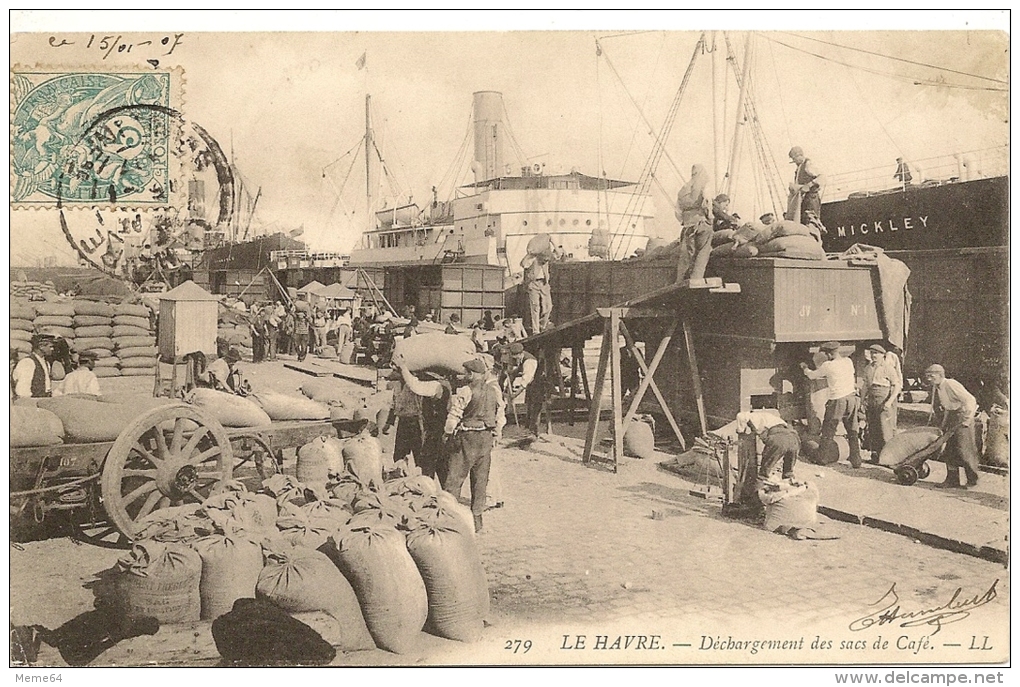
x=224 y=375
x=881 y=384
x=31 y=376
x=515 y=372
x=902 y=173
x=721 y=217
x=696 y=230
x=471 y=425
x=842 y=404
x=781 y=442
x=301 y=327
x=421 y=406
x=953 y=409
x=536 y=284
x=451 y=328
x=805 y=200
x=82 y=380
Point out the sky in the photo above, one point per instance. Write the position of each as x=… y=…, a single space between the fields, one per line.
x=289 y=104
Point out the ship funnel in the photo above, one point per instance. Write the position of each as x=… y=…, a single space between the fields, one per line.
x=488 y=118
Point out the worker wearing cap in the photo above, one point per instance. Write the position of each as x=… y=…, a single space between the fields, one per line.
x=224 y=375
x=805 y=190
x=473 y=420
x=781 y=442
x=517 y=370
x=843 y=404
x=881 y=384
x=31 y=376
x=721 y=217
x=82 y=380
x=953 y=408
x=536 y=283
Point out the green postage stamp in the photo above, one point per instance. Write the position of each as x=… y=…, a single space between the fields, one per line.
x=91 y=138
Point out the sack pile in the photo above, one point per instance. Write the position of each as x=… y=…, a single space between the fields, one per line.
x=134 y=342
x=33 y=290
x=385 y=560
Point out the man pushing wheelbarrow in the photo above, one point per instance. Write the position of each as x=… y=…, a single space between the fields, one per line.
x=953 y=409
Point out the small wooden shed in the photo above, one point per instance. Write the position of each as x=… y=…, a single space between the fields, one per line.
x=187 y=321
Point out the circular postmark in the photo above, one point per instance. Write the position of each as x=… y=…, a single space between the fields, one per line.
x=112 y=166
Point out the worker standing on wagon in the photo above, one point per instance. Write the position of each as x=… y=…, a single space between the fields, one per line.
x=954 y=408
x=471 y=425
x=805 y=200
x=536 y=283
x=696 y=230
x=31 y=376
x=843 y=404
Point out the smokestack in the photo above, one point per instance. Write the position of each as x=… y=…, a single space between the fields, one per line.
x=488 y=117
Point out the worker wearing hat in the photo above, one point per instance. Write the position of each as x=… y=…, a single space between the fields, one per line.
x=82 y=380
x=31 y=376
x=516 y=373
x=842 y=405
x=953 y=409
x=224 y=375
x=805 y=201
x=881 y=384
x=473 y=420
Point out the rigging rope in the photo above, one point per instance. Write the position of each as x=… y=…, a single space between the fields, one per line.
x=659 y=149
x=897 y=77
x=897 y=59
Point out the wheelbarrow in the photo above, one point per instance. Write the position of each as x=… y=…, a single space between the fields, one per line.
x=915 y=466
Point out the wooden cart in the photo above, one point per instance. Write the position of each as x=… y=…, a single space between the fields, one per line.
x=169 y=456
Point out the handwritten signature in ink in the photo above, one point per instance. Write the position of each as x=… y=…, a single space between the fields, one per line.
x=956 y=609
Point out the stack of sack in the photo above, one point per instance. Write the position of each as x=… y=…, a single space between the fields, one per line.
x=385 y=560
x=33 y=290
x=93 y=332
x=22 y=325
x=782 y=239
x=134 y=342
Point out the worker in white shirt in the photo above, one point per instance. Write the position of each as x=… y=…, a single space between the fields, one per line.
x=224 y=375
x=471 y=424
x=842 y=406
x=82 y=380
x=954 y=408
x=881 y=385
x=781 y=442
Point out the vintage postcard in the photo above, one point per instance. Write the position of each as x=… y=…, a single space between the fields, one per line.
x=602 y=341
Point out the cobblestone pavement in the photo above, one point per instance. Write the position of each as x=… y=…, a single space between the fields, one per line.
x=575 y=551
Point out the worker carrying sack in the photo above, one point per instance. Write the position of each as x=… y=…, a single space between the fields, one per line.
x=258 y=633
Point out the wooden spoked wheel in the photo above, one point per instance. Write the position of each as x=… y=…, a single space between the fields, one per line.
x=173 y=455
x=254 y=460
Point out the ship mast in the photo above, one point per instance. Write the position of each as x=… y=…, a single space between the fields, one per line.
x=368 y=159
